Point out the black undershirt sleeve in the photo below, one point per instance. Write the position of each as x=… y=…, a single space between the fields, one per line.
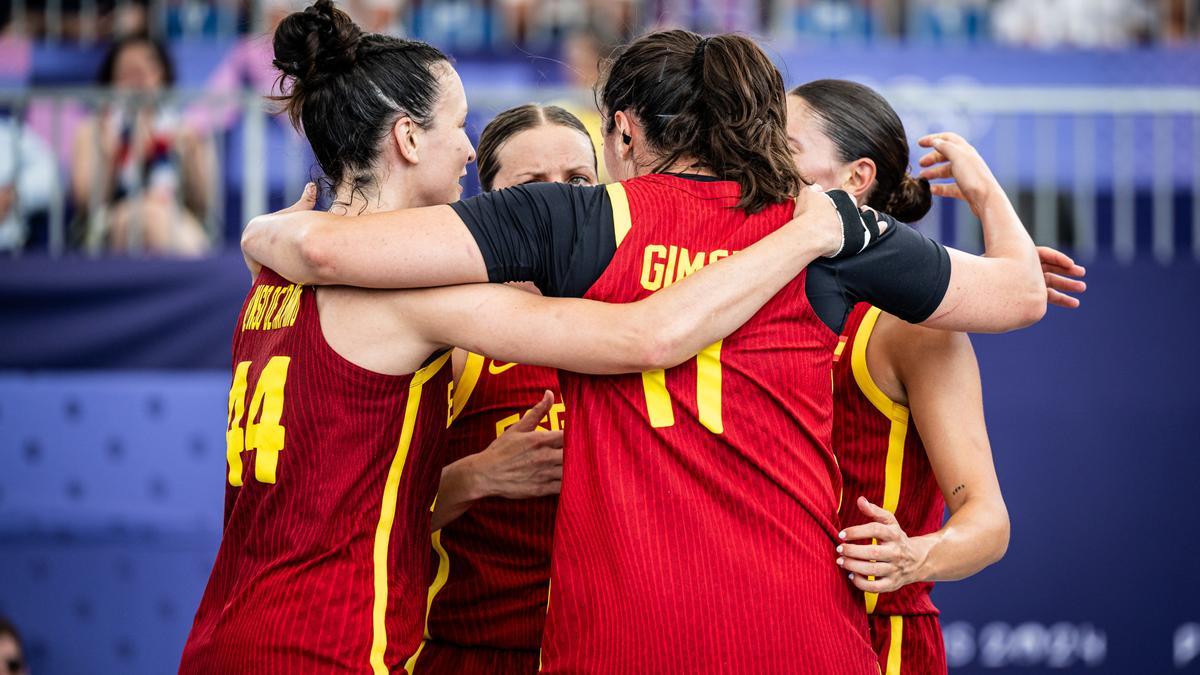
x=903 y=273
x=558 y=236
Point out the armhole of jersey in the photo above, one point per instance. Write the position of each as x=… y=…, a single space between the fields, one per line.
x=897 y=433
x=862 y=374
x=465 y=385
x=622 y=222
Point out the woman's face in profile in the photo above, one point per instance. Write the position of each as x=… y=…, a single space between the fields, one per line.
x=138 y=69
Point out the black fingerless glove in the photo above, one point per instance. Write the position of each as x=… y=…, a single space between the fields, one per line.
x=859 y=228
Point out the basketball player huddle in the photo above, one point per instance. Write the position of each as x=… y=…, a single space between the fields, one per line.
x=667 y=482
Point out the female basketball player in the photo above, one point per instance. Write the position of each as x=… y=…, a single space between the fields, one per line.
x=698 y=504
x=334 y=429
x=489 y=602
x=892 y=378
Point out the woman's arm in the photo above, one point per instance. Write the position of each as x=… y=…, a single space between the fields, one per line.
x=412 y=248
x=524 y=462
x=941 y=378
x=659 y=331
x=1004 y=289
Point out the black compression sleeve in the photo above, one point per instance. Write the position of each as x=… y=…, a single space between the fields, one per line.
x=903 y=273
x=558 y=236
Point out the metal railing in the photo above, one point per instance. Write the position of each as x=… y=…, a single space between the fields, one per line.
x=1098 y=171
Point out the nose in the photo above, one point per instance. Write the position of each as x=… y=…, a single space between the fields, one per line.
x=470 y=152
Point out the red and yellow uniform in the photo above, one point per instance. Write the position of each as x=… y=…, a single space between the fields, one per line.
x=487 y=605
x=698 y=514
x=883 y=459
x=332 y=469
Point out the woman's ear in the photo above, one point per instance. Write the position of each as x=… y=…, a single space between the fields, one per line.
x=626 y=132
x=406 y=134
x=861 y=179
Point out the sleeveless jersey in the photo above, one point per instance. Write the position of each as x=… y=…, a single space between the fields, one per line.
x=332 y=469
x=882 y=458
x=698 y=517
x=493 y=562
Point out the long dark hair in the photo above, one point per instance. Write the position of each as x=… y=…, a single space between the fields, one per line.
x=718 y=100
x=345 y=88
x=861 y=124
x=512 y=122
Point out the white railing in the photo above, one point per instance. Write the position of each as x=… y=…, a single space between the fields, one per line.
x=1079 y=163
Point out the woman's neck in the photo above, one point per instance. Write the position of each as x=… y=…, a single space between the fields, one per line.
x=385 y=195
x=688 y=165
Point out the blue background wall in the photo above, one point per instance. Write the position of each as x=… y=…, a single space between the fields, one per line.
x=111 y=481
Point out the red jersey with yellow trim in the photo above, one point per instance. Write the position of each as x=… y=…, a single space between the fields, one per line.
x=882 y=458
x=494 y=560
x=698 y=517
x=332 y=469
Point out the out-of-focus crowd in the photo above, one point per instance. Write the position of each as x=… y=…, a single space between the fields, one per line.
x=497 y=24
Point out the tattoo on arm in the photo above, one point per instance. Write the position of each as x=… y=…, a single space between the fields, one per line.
x=957 y=489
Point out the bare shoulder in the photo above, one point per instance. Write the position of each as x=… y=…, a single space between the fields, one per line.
x=909 y=348
x=369 y=328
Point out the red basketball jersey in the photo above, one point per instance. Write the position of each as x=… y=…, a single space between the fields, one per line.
x=493 y=562
x=698 y=517
x=332 y=469
x=882 y=457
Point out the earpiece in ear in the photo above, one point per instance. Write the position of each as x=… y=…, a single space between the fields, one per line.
x=626 y=138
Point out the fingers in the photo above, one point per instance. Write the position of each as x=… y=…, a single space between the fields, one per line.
x=547 y=489
x=950 y=190
x=1065 y=284
x=865 y=552
x=866 y=567
x=1057 y=299
x=877 y=585
x=307 y=201
x=530 y=419
x=942 y=171
x=876 y=513
x=1054 y=260
x=929 y=159
x=866 y=531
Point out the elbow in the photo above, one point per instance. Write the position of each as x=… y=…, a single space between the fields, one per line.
x=1033 y=307
x=999 y=535
x=1026 y=307
x=656 y=347
x=316 y=263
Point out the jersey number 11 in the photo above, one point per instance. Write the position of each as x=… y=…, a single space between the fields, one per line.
x=708 y=392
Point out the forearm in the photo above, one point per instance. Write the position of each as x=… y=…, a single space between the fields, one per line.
x=460 y=487
x=398 y=249
x=974 y=537
x=714 y=302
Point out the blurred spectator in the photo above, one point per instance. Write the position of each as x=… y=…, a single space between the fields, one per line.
x=583 y=51
x=28 y=181
x=12 y=653
x=138 y=176
x=1073 y=23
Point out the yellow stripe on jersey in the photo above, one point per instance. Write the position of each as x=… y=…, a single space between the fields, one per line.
x=622 y=221
x=465 y=385
x=658 y=399
x=439 y=582
x=708 y=387
x=897 y=413
x=895 y=645
x=387 y=513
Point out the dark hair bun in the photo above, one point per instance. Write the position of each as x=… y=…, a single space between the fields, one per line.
x=313 y=45
x=910 y=201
